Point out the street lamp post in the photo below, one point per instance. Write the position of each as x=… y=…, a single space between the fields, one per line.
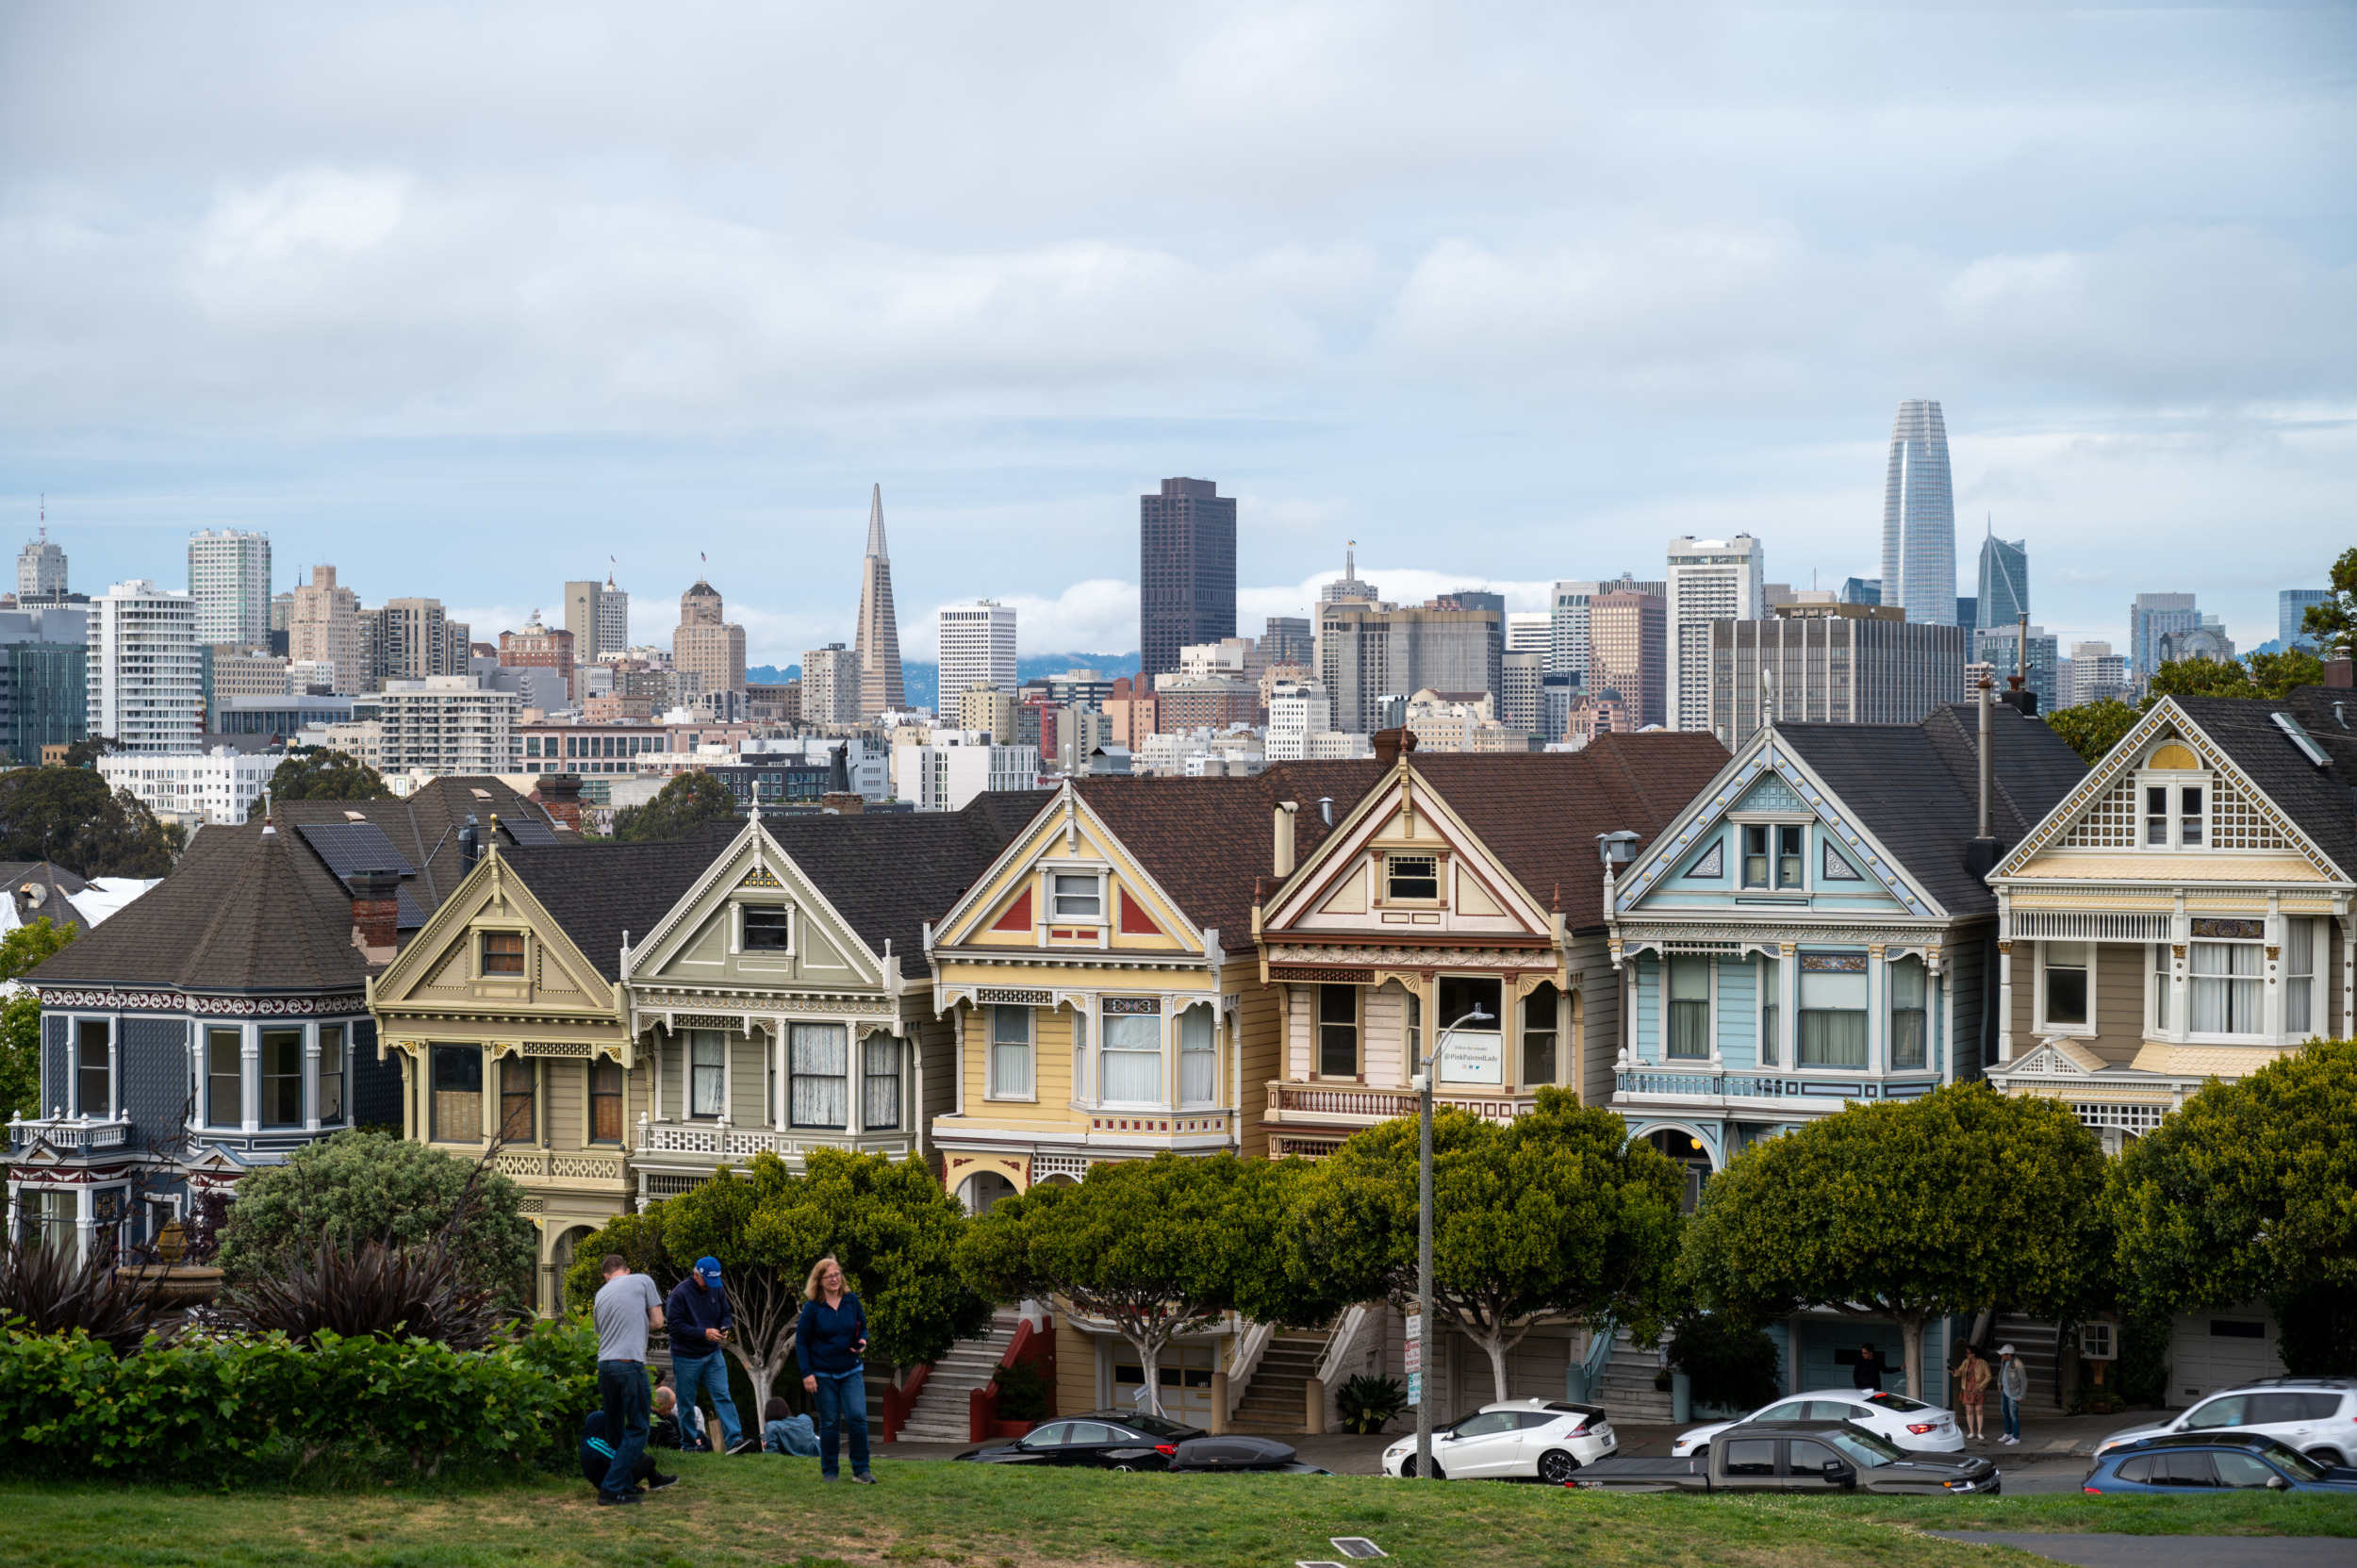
x=1423 y=1236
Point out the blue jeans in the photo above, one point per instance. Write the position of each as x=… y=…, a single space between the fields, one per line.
x=709 y=1371
x=842 y=1396
x=2011 y=1408
x=622 y=1390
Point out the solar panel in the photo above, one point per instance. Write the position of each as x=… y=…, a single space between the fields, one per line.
x=349 y=846
x=528 y=831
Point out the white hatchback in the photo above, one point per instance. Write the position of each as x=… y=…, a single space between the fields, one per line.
x=1909 y=1422
x=1515 y=1440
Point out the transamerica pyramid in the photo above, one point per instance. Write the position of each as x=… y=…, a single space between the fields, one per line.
x=879 y=640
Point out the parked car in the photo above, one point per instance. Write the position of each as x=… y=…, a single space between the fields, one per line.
x=1800 y=1457
x=1514 y=1440
x=1909 y=1422
x=2186 y=1461
x=1260 y=1455
x=1103 y=1440
x=2315 y=1415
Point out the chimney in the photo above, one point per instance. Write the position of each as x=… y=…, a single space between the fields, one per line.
x=842 y=802
x=1390 y=745
x=559 y=795
x=1980 y=855
x=470 y=844
x=2338 y=673
x=375 y=912
x=1284 y=830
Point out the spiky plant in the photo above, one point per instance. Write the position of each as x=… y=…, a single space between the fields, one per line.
x=55 y=1293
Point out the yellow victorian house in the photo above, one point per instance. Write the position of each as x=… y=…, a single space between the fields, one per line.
x=507 y=1015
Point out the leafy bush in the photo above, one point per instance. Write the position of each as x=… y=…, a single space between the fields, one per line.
x=1730 y=1365
x=52 y=1292
x=1025 y=1393
x=1367 y=1402
x=418 y=1292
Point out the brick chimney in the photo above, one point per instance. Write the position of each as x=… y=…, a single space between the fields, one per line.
x=842 y=802
x=375 y=912
x=559 y=794
x=1389 y=744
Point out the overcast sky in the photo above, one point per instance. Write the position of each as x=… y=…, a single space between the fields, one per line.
x=468 y=298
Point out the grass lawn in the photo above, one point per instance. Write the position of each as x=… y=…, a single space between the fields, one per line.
x=776 y=1513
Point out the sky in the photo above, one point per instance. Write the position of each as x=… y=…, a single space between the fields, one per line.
x=468 y=300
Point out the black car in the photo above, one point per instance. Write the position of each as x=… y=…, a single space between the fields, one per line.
x=1104 y=1439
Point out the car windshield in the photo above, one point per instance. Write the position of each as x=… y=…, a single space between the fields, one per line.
x=1870 y=1452
x=1154 y=1424
x=1898 y=1402
x=2292 y=1461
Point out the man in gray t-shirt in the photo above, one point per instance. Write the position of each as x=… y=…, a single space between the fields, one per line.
x=627 y=1306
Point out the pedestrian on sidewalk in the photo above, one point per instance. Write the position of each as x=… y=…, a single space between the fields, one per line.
x=2013 y=1386
x=829 y=1342
x=1972 y=1380
x=1868 y=1373
x=699 y=1318
x=627 y=1306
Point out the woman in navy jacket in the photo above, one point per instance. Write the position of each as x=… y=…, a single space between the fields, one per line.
x=829 y=1342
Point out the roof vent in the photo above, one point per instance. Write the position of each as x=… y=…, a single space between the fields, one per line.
x=2301 y=739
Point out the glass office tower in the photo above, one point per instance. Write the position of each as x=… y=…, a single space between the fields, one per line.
x=1919 y=519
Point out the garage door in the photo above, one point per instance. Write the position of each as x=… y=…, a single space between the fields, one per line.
x=1535 y=1368
x=2214 y=1350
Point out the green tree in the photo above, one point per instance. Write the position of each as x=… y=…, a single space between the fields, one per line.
x=317 y=774
x=20 y=1054
x=68 y=816
x=2244 y=1193
x=1561 y=1213
x=2275 y=676
x=360 y=1186
x=2202 y=678
x=85 y=753
x=22 y=950
x=886 y=1221
x=2092 y=729
x=2335 y=621
x=1909 y=1209
x=1158 y=1247
x=685 y=803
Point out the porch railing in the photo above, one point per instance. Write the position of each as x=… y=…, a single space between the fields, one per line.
x=1386 y=1104
x=717 y=1141
x=550 y=1164
x=69 y=1131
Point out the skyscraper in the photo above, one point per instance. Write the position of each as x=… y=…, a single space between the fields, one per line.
x=2291 y=608
x=705 y=643
x=613 y=618
x=831 y=685
x=2004 y=597
x=40 y=568
x=1708 y=580
x=1626 y=655
x=229 y=582
x=976 y=644
x=1186 y=572
x=1919 y=520
x=878 y=639
x=324 y=627
x=1368 y=653
x=585 y=605
x=2152 y=617
x=146 y=684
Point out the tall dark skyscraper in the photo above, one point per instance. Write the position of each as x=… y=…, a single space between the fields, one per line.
x=1186 y=572
x=2005 y=581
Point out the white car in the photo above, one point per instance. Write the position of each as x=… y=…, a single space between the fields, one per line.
x=1909 y=1422
x=1515 y=1440
x=2315 y=1415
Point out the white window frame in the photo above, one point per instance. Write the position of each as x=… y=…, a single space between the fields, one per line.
x=2194 y=979
x=1165 y=1047
x=2315 y=929
x=991 y=1043
x=2160 y=974
x=2044 y=1026
x=1710 y=1006
x=2175 y=780
x=1441 y=875
x=73 y=1087
x=1097 y=876
x=1768 y=987
x=1808 y=884
x=1179 y=1053
x=736 y=930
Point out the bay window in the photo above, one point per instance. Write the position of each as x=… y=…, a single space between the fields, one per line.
x=282 y=1078
x=1338 y=1032
x=1540 y=1019
x=1010 y=1053
x=457 y=1094
x=1690 y=1005
x=1132 y=1070
x=606 y=1102
x=1080 y=1056
x=2227 y=986
x=817 y=1059
x=1198 y=1057
x=1833 y=1011
x=2299 y=969
x=1910 y=1037
x=225 y=1078
x=2160 y=985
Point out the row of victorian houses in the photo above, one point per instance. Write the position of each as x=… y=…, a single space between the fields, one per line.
x=1717 y=948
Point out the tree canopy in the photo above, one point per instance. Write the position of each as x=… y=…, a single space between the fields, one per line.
x=2334 y=620
x=1561 y=1213
x=1157 y=1247
x=1909 y=1209
x=20 y=1054
x=69 y=816
x=360 y=1186
x=314 y=773
x=685 y=803
x=2245 y=1194
x=2092 y=729
x=22 y=949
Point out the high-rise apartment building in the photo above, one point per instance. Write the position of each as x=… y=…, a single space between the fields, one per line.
x=613 y=618
x=446 y=724
x=414 y=638
x=2000 y=648
x=1368 y=653
x=1520 y=672
x=1186 y=571
x=1709 y=580
x=538 y=647
x=41 y=568
x=877 y=640
x=598 y=616
x=2151 y=617
x=976 y=647
x=229 y=585
x=1528 y=631
x=147 y=689
x=1289 y=639
x=1297 y=710
x=1830 y=664
x=706 y=644
x=44 y=679
x=2097 y=674
x=2004 y=596
x=1919 y=519
x=831 y=685
x=1567 y=619
x=2291 y=610
x=1628 y=654
x=324 y=624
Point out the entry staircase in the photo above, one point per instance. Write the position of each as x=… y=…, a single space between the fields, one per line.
x=2035 y=1345
x=1626 y=1389
x=1277 y=1402
x=944 y=1411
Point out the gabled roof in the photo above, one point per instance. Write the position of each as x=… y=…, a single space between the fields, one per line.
x=597 y=894
x=1916 y=787
x=886 y=875
x=250 y=911
x=2318 y=800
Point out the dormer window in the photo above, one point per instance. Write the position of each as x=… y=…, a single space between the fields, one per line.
x=1772 y=855
x=1411 y=878
x=2176 y=799
x=1078 y=896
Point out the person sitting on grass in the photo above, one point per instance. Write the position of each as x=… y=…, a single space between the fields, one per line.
x=670 y=1429
x=783 y=1432
x=597 y=1459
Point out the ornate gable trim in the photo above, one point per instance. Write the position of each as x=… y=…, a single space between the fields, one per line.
x=1313 y=880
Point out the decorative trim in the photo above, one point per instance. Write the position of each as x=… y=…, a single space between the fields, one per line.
x=1132 y=1007
x=555 y=1048
x=1011 y=995
x=759 y=875
x=1417 y=958
x=1833 y=964
x=2244 y=930
x=205 y=1006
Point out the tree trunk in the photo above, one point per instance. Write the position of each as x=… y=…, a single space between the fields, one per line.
x=1911 y=1344
x=1149 y=1355
x=1495 y=1344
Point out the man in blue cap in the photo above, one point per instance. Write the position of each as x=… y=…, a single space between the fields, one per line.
x=698 y=1318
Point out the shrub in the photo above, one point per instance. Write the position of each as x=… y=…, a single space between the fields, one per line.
x=54 y=1293
x=417 y=1292
x=1366 y=1402
x=1025 y=1393
x=1730 y=1365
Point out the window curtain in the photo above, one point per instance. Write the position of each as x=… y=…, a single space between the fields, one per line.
x=1770 y=1010
x=1011 y=1052
x=1832 y=1018
x=1910 y=1041
x=880 y=1100
x=1198 y=1057
x=2160 y=985
x=2299 y=967
x=1134 y=1060
x=1080 y=1056
x=1690 y=1005
x=707 y=1052
x=818 y=1059
x=2226 y=987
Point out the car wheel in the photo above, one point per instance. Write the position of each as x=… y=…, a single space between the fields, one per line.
x=2327 y=1456
x=1123 y=1469
x=1555 y=1467
x=1407 y=1469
